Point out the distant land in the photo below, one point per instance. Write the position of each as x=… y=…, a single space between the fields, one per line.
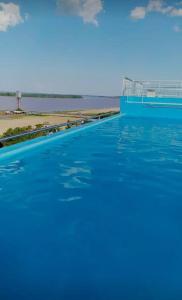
x=40 y=95
x=101 y=96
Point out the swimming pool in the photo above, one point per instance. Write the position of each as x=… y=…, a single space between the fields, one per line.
x=96 y=215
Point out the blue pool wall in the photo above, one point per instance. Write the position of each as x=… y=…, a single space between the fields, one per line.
x=155 y=110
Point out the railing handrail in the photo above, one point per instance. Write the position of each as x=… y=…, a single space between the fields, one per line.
x=12 y=137
x=48 y=128
x=159 y=88
x=152 y=80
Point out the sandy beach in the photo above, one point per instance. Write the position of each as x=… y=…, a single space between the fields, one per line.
x=14 y=121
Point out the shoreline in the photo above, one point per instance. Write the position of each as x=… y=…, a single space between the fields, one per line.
x=14 y=121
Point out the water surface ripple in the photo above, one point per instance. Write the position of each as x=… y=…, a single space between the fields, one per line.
x=97 y=215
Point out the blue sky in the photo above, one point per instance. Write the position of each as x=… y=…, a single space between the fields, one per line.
x=86 y=46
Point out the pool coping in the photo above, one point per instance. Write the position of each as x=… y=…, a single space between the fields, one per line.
x=11 y=151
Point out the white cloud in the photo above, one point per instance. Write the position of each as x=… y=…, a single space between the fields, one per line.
x=159 y=6
x=86 y=9
x=176 y=12
x=9 y=15
x=177 y=28
x=138 y=13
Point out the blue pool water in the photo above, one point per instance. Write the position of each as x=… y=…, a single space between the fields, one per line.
x=96 y=215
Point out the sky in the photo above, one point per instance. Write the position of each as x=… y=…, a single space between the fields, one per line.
x=87 y=46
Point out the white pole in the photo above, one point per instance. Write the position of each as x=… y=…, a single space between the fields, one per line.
x=18 y=97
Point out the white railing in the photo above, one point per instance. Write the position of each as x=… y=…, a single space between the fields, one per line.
x=153 y=89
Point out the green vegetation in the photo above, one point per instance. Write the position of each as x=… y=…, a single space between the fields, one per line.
x=32 y=135
x=18 y=130
x=41 y=95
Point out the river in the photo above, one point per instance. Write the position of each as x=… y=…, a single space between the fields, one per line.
x=56 y=104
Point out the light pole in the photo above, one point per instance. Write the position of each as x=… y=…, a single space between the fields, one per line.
x=18 y=97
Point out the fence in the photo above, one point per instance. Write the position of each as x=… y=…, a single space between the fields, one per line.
x=58 y=127
x=161 y=99
x=161 y=92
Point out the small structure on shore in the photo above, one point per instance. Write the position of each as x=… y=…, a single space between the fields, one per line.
x=18 y=98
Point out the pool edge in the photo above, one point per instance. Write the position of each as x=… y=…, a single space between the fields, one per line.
x=11 y=151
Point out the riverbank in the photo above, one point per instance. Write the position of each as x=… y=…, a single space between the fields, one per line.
x=14 y=121
x=52 y=105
